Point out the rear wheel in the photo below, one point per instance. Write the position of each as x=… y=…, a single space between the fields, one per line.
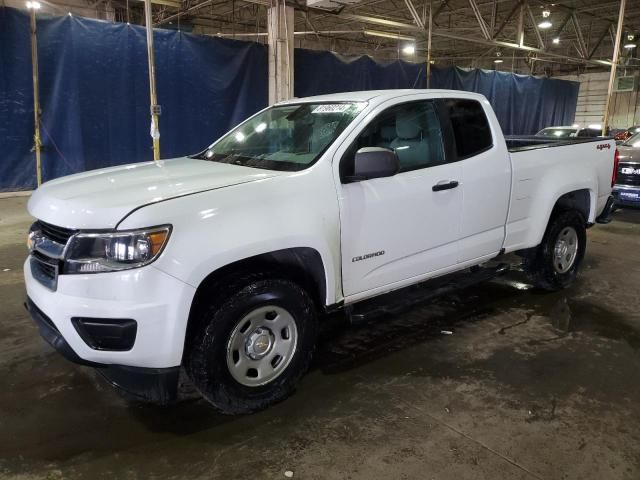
x=253 y=346
x=554 y=264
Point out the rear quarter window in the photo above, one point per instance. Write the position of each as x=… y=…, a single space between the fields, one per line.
x=470 y=127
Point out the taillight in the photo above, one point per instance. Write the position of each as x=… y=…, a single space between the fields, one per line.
x=616 y=161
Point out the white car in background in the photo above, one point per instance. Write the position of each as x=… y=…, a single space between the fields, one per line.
x=223 y=263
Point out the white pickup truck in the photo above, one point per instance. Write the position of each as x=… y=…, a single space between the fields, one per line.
x=222 y=263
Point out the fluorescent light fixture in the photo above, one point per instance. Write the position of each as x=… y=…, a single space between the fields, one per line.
x=409 y=49
x=556 y=41
x=261 y=127
x=33 y=5
x=630 y=45
x=545 y=24
x=498 y=60
x=395 y=36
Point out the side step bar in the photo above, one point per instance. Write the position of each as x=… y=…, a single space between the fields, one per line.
x=400 y=300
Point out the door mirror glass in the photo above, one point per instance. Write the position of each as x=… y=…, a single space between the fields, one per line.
x=374 y=162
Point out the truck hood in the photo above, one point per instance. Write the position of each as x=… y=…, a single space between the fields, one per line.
x=102 y=198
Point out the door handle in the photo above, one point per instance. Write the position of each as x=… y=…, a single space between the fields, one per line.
x=444 y=185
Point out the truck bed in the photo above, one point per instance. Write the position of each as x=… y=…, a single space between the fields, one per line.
x=519 y=143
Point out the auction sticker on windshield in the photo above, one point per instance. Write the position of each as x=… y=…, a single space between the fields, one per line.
x=332 y=108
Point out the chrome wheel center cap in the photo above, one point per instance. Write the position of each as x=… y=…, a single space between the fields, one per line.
x=259 y=343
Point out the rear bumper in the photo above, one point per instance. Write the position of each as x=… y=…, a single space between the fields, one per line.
x=626 y=195
x=157 y=385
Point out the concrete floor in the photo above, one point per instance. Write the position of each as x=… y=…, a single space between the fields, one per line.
x=528 y=386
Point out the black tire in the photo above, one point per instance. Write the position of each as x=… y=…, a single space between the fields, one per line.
x=539 y=262
x=206 y=358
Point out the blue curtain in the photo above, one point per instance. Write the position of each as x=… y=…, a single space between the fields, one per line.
x=317 y=72
x=95 y=93
x=523 y=104
x=17 y=163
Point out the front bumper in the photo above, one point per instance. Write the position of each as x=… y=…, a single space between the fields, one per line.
x=157 y=385
x=158 y=302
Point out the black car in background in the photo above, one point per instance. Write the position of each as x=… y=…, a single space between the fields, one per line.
x=626 y=191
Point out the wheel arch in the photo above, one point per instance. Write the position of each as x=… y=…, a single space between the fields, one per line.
x=303 y=265
x=582 y=200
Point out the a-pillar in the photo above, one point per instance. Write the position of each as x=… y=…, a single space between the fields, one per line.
x=280 y=34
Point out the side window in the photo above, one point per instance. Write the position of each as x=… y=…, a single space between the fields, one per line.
x=470 y=127
x=411 y=129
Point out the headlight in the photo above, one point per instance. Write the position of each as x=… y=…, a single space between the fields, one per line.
x=112 y=251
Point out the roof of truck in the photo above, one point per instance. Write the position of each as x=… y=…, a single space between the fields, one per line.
x=379 y=95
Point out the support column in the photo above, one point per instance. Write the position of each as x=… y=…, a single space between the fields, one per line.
x=155 y=108
x=280 y=36
x=614 y=64
x=37 y=141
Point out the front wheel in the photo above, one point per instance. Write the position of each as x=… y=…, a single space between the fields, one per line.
x=253 y=347
x=554 y=264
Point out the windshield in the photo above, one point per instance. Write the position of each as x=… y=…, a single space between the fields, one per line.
x=634 y=141
x=285 y=137
x=556 y=132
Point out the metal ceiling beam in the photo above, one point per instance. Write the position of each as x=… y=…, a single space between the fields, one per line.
x=599 y=42
x=581 y=43
x=188 y=11
x=497 y=43
x=414 y=13
x=563 y=24
x=168 y=3
x=506 y=20
x=520 y=38
x=535 y=27
x=483 y=25
x=440 y=9
x=525 y=48
x=379 y=21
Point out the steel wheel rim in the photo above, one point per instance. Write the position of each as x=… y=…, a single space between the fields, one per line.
x=565 y=250
x=261 y=346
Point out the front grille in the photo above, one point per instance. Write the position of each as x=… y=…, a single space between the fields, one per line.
x=628 y=174
x=57 y=234
x=44 y=270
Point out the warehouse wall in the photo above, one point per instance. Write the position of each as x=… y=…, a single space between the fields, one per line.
x=625 y=106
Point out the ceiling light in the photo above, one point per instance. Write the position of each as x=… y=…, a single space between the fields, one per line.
x=545 y=24
x=556 y=41
x=33 y=5
x=498 y=60
x=630 y=41
x=409 y=49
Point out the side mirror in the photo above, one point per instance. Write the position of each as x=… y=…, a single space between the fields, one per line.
x=374 y=162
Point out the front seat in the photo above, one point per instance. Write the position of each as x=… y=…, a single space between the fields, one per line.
x=410 y=145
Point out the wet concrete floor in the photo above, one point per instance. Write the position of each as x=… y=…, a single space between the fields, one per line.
x=527 y=386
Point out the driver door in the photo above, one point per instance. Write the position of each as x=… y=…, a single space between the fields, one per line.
x=397 y=229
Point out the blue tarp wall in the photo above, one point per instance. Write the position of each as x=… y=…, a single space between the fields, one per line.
x=523 y=104
x=94 y=91
x=95 y=96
